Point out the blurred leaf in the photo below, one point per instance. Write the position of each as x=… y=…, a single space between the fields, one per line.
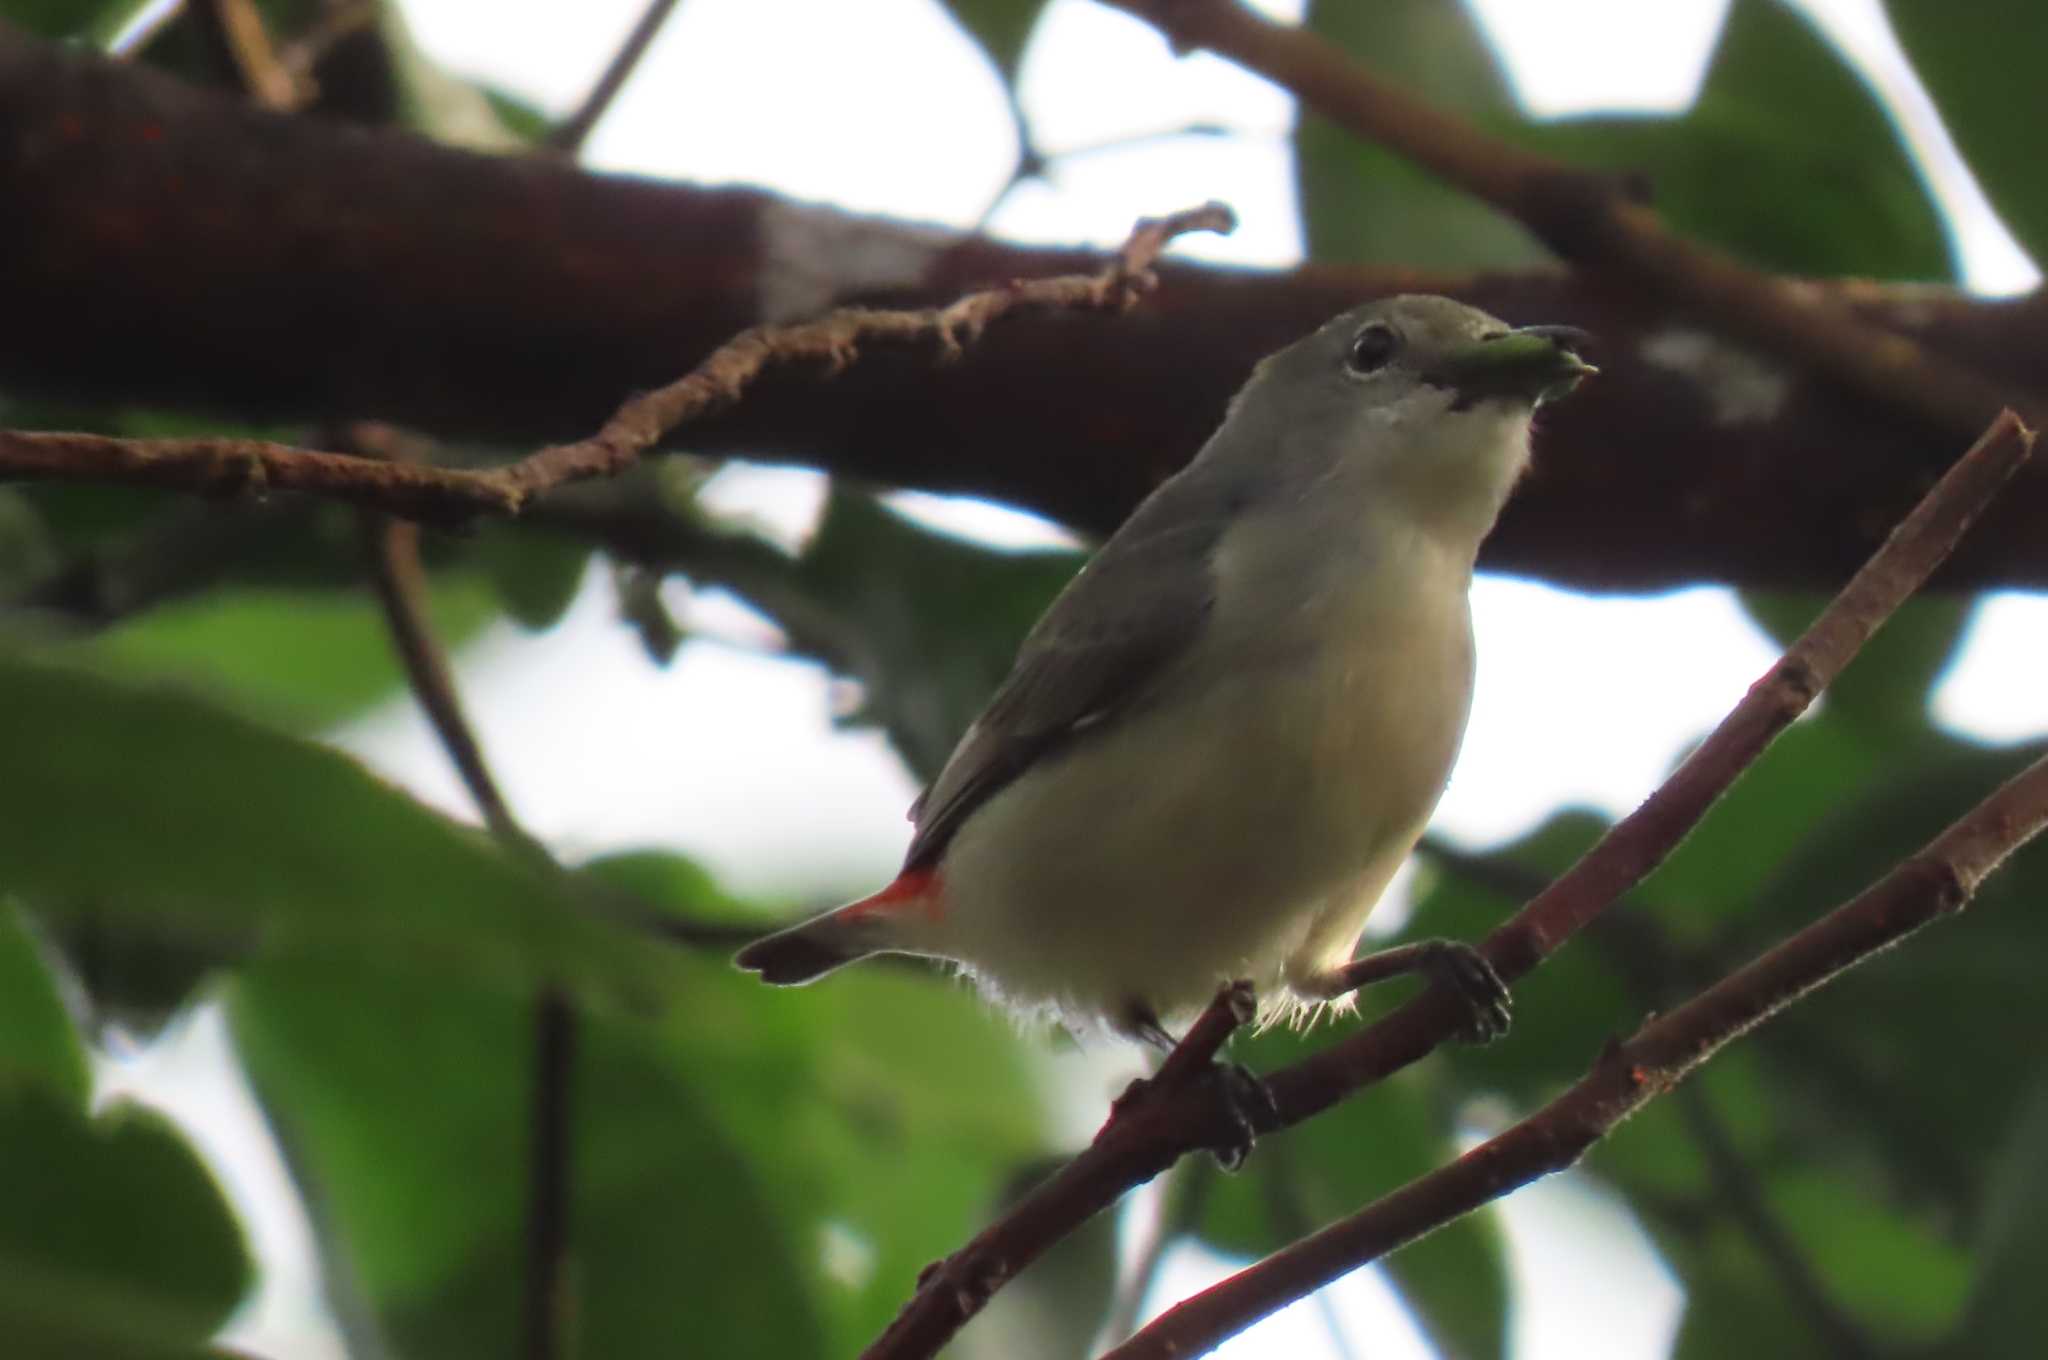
x=91 y=21
x=763 y=1173
x=28 y=550
x=1735 y=1306
x=442 y=105
x=1977 y=60
x=536 y=574
x=525 y=121
x=135 y=972
x=1786 y=159
x=1961 y=982
x=927 y=623
x=306 y=659
x=38 y=1045
x=1000 y=27
x=1901 y=1280
x=1888 y=683
x=1708 y=888
x=1781 y=119
x=405 y=1104
x=1363 y=205
x=1454 y=1280
x=147 y=801
x=670 y=883
x=114 y=1240
x=2008 y=1310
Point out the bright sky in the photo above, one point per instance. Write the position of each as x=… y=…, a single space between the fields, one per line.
x=730 y=755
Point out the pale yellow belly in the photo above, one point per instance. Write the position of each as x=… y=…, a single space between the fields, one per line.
x=1246 y=834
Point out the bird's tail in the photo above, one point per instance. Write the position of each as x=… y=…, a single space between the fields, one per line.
x=791 y=957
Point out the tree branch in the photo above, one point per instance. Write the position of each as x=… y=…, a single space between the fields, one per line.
x=1150 y=1136
x=1589 y=219
x=168 y=246
x=1937 y=882
x=568 y=135
x=444 y=495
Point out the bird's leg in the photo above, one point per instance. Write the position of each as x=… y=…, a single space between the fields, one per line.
x=1193 y=1058
x=1453 y=965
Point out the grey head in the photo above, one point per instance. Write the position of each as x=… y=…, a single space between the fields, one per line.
x=1423 y=397
x=1413 y=346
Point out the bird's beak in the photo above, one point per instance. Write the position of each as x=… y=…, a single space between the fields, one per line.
x=1534 y=363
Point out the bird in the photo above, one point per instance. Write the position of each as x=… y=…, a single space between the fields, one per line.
x=1229 y=730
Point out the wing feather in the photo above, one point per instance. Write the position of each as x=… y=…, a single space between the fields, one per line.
x=1096 y=654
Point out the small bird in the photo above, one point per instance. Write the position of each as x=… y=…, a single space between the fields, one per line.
x=1229 y=730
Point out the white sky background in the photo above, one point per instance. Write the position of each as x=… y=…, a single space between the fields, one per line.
x=730 y=755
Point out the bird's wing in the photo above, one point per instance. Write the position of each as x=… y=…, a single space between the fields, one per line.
x=1095 y=654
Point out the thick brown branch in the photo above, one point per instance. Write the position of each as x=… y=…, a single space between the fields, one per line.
x=1135 y=1147
x=1937 y=882
x=413 y=491
x=173 y=247
x=1588 y=219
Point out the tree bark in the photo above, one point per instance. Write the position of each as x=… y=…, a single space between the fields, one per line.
x=166 y=246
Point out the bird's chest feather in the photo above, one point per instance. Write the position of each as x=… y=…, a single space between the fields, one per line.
x=1345 y=667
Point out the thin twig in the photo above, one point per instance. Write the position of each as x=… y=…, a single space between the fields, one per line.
x=546 y=1303
x=568 y=135
x=1592 y=220
x=213 y=466
x=236 y=29
x=401 y=585
x=400 y=581
x=1133 y=1149
x=1937 y=882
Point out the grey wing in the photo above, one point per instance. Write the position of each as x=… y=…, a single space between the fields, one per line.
x=1097 y=651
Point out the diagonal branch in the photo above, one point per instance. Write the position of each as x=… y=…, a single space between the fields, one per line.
x=1145 y=1140
x=569 y=135
x=1589 y=219
x=229 y=466
x=1937 y=882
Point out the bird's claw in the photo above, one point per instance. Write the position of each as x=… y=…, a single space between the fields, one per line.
x=1248 y=1103
x=1464 y=972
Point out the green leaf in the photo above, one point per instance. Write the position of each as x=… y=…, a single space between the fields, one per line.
x=91 y=21
x=1903 y=1280
x=1977 y=62
x=536 y=574
x=1781 y=120
x=306 y=659
x=1708 y=888
x=929 y=624
x=1362 y=205
x=37 y=1042
x=2007 y=1309
x=404 y=1102
x=1000 y=27
x=889 y=1106
x=147 y=801
x=114 y=1240
x=762 y=1172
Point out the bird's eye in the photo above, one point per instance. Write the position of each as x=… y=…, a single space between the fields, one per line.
x=1371 y=348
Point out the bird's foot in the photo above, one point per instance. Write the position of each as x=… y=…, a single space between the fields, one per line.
x=1453 y=965
x=1247 y=1103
